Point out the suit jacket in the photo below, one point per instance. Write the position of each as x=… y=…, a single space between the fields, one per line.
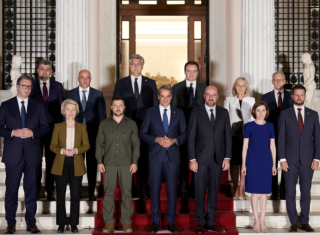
x=205 y=142
x=274 y=111
x=95 y=110
x=152 y=127
x=58 y=142
x=294 y=146
x=10 y=119
x=239 y=116
x=148 y=97
x=180 y=97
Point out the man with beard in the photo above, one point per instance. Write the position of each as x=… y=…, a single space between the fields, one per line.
x=209 y=146
x=50 y=93
x=118 y=135
x=299 y=154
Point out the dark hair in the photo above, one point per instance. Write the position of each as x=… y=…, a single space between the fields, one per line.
x=118 y=97
x=256 y=105
x=45 y=62
x=298 y=87
x=165 y=87
x=191 y=63
x=24 y=77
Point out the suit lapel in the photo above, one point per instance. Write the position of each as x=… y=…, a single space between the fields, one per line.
x=16 y=111
x=204 y=112
x=30 y=112
x=218 y=116
x=295 y=119
x=51 y=89
x=172 y=118
x=90 y=98
x=273 y=99
x=77 y=135
x=158 y=116
x=286 y=98
x=306 y=120
x=127 y=81
x=64 y=134
x=144 y=84
x=77 y=98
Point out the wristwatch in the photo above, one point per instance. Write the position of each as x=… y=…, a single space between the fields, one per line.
x=175 y=141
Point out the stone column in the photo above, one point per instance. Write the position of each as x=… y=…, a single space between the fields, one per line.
x=258 y=45
x=72 y=41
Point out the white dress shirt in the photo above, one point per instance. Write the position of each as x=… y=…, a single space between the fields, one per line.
x=139 y=81
x=48 y=86
x=194 y=85
x=168 y=113
x=69 y=139
x=25 y=104
x=86 y=94
x=276 y=95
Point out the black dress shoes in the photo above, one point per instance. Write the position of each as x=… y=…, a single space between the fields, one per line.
x=143 y=196
x=10 y=229
x=200 y=230
x=154 y=228
x=172 y=228
x=32 y=228
x=293 y=228
x=60 y=229
x=51 y=198
x=74 y=229
x=307 y=228
x=92 y=198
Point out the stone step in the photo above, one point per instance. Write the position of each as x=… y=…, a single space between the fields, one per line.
x=276 y=231
x=274 y=220
x=275 y=205
x=84 y=231
x=47 y=221
x=47 y=207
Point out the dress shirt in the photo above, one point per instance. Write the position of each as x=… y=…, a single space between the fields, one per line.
x=168 y=113
x=276 y=95
x=48 y=86
x=25 y=104
x=81 y=93
x=133 y=79
x=70 y=140
x=194 y=86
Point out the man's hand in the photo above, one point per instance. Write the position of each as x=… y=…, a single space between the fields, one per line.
x=225 y=164
x=194 y=166
x=101 y=168
x=161 y=141
x=315 y=165
x=168 y=141
x=17 y=133
x=26 y=133
x=133 y=168
x=284 y=166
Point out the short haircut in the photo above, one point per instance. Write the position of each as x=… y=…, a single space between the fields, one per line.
x=137 y=57
x=24 y=77
x=279 y=72
x=298 y=87
x=256 y=105
x=117 y=97
x=234 y=92
x=45 y=62
x=166 y=87
x=66 y=102
x=191 y=63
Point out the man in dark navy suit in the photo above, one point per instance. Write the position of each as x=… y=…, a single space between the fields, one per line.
x=92 y=108
x=23 y=122
x=139 y=93
x=164 y=130
x=299 y=154
x=50 y=93
x=277 y=100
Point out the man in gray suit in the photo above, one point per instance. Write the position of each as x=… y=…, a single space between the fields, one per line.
x=299 y=154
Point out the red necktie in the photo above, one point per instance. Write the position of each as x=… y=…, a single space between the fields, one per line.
x=300 y=121
x=45 y=92
x=279 y=100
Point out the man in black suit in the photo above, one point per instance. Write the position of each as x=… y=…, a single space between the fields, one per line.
x=209 y=146
x=139 y=93
x=23 y=121
x=277 y=101
x=50 y=93
x=187 y=95
x=299 y=154
x=92 y=109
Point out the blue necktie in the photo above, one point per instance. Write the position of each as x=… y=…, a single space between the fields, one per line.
x=84 y=103
x=191 y=93
x=23 y=113
x=165 y=121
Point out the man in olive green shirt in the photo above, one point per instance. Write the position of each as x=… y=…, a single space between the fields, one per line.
x=118 y=135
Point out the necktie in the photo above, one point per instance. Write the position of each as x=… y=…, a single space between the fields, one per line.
x=191 y=93
x=279 y=100
x=83 y=104
x=300 y=121
x=136 y=89
x=212 y=117
x=165 y=121
x=23 y=113
x=45 y=92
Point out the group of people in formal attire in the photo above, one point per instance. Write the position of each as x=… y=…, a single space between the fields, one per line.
x=165 y=132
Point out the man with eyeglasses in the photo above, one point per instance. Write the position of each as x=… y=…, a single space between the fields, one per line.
x=23 y=122
x=277 y=101
x=50 y=93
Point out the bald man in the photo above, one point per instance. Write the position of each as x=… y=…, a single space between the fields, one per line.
x=92 y=109
x=209 y=152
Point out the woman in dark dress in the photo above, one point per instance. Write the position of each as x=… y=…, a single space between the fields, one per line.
x=258 y=161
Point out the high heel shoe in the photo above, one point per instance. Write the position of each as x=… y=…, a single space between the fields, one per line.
x=243 y=198
x=60 y=229
x=74 y=229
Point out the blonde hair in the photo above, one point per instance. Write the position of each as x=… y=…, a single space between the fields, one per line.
x=66 y=102
x=234 y=92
